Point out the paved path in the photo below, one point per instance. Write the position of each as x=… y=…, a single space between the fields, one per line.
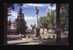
x=38 y=42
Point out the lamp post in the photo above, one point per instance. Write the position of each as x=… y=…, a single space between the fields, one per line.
x=37 y=11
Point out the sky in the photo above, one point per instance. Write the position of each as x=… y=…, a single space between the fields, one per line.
x=29 y=12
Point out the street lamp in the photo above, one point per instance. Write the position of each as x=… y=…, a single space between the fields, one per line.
x=37 y=11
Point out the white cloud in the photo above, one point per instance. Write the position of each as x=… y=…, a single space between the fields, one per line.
x=24 y=5
x=30 y=20
x=53 y=7
x=40 y=5
x=13 y=15
x=32 y=4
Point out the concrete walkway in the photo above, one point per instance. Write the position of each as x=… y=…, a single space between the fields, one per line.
x=19 y=41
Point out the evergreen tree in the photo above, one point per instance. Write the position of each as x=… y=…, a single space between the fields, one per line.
x=20 y=23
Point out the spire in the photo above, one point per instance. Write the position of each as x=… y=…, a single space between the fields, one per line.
x=20 y=11
x=20 y=14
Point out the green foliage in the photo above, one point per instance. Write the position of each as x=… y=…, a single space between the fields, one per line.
x=46 y=21
x=21 y=26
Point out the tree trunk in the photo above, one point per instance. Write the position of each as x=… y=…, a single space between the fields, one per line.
x=58 y=32
x=38 y=32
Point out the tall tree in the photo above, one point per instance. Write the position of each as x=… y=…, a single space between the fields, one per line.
x=46 y=21
x=20 y=23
